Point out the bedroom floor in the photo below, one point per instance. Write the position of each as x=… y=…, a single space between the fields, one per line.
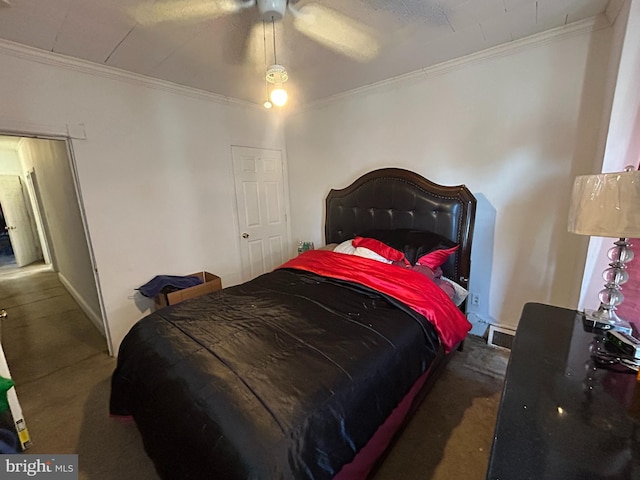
x=60 y=364
x=451 y=434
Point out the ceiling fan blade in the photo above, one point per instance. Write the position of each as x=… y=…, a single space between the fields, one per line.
x=336 y=31
x=244 y=41
x=186 y=10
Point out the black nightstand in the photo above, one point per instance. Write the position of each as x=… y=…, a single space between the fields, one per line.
x=560 y=417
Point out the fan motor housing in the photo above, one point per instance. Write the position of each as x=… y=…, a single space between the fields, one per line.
x=272 y=9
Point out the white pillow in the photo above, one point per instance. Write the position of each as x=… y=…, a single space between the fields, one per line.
x=348 y=249
x=366 y=253
x=345 y=247
x=460 y=292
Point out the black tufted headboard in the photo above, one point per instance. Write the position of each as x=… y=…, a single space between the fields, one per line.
x=392 y=198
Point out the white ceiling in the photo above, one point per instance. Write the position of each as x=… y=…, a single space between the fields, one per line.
x=195 y=48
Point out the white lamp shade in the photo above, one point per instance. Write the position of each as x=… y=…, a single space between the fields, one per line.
x=606 y=205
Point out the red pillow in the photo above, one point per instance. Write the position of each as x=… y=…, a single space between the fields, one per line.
x=424 y=270
x=436 y=258
x=380 y=248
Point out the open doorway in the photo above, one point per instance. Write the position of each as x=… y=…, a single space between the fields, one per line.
x=20 y=227
x=7 y=257
x=47 y=178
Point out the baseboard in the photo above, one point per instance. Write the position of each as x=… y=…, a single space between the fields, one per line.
x=501 y=337
x=93 y=316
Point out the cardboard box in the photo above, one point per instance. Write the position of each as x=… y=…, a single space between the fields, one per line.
x=211 y=284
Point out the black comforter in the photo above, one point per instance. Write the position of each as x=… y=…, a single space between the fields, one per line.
x=286 y=376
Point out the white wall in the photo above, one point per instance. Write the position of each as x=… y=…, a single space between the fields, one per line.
x=62 y=219
x=10 y=162
x=623 y=140
x=515 y=124
x=154 y=167
x=622 y=146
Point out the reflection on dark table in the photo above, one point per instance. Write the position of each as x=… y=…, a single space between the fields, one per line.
x=561 y=416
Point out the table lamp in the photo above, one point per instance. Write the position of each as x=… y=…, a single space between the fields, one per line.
x=608 y=205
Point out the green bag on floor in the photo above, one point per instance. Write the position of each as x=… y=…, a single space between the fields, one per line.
x=5 y=385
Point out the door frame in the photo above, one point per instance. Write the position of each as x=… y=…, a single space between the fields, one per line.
x=73 y=133
x=43 y=233
x=25 y=242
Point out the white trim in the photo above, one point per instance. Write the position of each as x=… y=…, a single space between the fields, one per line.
x=102 y=319
x=613 y=10
x=93 y=316
x=11 y=126
x=43 y=234
x=83 y=66
x=577 y=28
x=508 y=326
x=505 y=331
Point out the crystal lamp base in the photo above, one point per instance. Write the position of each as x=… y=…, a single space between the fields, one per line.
x=606 y=319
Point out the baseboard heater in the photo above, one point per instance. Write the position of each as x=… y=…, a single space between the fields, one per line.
x=501 y=337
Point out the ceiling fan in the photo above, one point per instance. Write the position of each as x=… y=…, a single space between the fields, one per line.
x=320 y=23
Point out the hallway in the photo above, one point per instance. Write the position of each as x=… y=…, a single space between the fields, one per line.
x=62 y=371
x=46 y=330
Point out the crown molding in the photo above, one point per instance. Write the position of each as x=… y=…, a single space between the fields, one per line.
x=613 y=10
x=556 y=34
x=89 y=68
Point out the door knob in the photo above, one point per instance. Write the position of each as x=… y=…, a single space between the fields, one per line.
x=245 y=235
x=3 y=313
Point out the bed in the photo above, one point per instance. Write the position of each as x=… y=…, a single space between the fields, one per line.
x=311 y=370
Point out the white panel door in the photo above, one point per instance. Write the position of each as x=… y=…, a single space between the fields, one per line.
x=19 y=220
x=262 y=221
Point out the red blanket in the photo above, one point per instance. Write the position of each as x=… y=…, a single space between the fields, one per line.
x=411 y=288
